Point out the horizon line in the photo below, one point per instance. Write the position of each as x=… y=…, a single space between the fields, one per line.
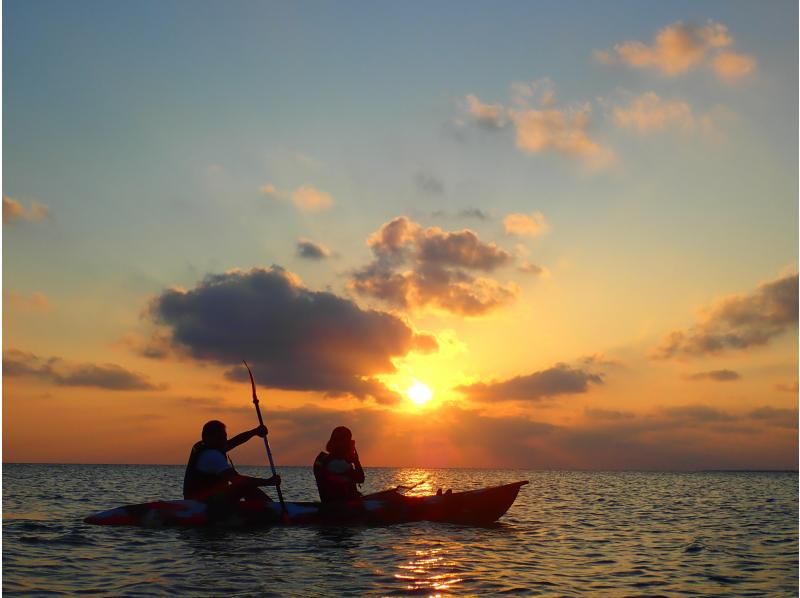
x=706 y=470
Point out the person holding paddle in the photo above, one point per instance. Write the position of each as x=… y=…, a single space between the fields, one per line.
x=210 y=476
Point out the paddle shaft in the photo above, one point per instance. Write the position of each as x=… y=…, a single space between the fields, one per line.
x=266 y=441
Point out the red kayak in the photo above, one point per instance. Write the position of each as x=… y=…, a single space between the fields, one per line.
x=473 y=507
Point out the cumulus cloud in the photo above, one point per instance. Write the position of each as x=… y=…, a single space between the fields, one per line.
x=737 y=322
x=679 y=48
x=560 y=379
x=716 y=375
x=416 y=267
x=56 y=371
x=306 y=198
x=564 y=132
x=541 y=127
x=294 y=338
x=14 y=210
x=312 y=251
x=28 y=304
x=526 y=224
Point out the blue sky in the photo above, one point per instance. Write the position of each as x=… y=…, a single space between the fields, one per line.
x=150 y=131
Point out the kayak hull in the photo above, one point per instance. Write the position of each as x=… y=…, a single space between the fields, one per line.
x=473 y=507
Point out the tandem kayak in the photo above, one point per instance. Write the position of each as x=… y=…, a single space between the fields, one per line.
x=473 y=507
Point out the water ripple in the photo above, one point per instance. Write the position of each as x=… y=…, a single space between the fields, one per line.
x=569 y=534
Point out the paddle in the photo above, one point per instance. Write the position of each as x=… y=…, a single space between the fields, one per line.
x=285 y=516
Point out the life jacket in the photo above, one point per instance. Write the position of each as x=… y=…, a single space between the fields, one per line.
x=198 y=485
x=333 y=486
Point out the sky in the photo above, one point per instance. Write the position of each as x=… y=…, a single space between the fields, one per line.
x=548 y=235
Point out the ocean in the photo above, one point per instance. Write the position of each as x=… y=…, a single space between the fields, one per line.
x=568 y=534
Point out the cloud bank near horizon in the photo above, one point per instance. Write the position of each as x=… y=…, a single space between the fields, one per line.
x=293 y=337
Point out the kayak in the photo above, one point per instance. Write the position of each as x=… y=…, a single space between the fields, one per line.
x=473 y=507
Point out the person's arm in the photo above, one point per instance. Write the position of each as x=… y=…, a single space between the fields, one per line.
x=245 y=436
x=358 y=473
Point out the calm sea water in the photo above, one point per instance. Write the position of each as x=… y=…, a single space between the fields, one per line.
x=568 y=534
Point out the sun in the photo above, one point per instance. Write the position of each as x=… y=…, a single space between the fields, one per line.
x=419 y=393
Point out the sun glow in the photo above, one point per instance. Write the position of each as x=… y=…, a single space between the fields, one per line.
x=419 y=393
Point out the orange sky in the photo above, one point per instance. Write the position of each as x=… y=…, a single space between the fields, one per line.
x=584 y=246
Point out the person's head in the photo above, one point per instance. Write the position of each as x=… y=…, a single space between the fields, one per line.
x=341 y=442
x=214 y=434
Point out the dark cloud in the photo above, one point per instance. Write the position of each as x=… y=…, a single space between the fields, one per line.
x=107 y=376
x=312 y=251
x=690 y=437
x=531 y=268
x=784 y=418
x=697 y=414
x=475 y=213
x=561 y=379
x=428 y=184
x=416 y=268
x=293 y=338
x=738 y=322
x=718 y=375
x=608 y=415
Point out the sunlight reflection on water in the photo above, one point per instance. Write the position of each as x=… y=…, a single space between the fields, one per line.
x=568 y=534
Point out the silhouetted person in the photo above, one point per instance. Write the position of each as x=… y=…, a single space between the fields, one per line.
x=339 y=470
x=210 y=476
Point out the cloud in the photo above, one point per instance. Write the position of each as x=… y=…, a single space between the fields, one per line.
x=488 y=116
x=310 y=199
x=689 y=437
x=271 y=191
x=33 y=304
x=526 y=224
x=107 y=376
x=564 y=132
x=294 y=338
x=784 y=418
x=648 y=113
x=312 y=251
x=731 y=66
x=696 y=414
x=560 y=379
x=428 y=184
x=306 y=198
x=541 y=127
x=680 y=48
x=416 y=267
x=13 y=210
x=717 y=375
x=531 y=268
x=475 y=213
x=737 y=322
x=792 y=388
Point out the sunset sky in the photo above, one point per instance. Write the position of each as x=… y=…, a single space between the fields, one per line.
x=574 y=223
